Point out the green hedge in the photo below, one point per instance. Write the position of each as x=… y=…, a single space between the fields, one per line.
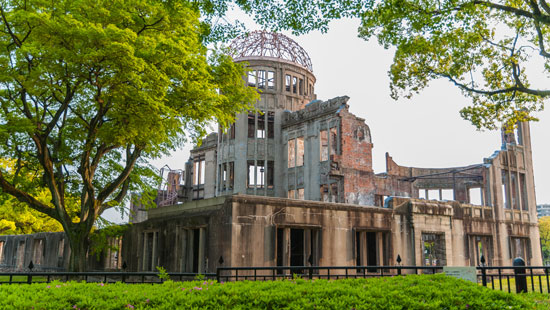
x=410 y=292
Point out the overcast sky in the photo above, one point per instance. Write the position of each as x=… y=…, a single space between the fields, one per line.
x=425 y=131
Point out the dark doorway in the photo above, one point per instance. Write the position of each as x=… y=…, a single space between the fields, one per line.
x=196 y=247
x=371 y=248
x=296 y=247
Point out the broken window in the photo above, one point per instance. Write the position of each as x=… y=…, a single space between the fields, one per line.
x=294 y=84
x=329 y=192
x=270 y=79
x=480 y=246
x=291 y=153
x=198 y=170
x=270 y=173
x=505 y=195
x=261 y=79
x=270 y=124
x=193 y=245
x=513 y=191
x=260 y=130
x=299 y=151
x=433 y=194
x=227 y=176
x=291 y=194
x=324 y=145
x=433 y=245
x=2 y=243
x=476 y=196
x=372 y=249
x=379 y=200
x=333 y=141
x=519 y=134
x=252 y=78
x=447 y=194
x=523 y=188
x=422 y=193
x=38 y=251
x=150 y=246
x=300 y=193
x=301 y=86
x=297 y=247
x=287 y=83
x=251 y=125
x=255 y=174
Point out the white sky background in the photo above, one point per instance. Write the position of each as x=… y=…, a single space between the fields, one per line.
x=425 y=131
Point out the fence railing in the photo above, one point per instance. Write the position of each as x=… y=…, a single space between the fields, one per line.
x=104 y=277
x=510 y=279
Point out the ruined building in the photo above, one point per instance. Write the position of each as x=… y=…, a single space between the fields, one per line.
x=292 y=184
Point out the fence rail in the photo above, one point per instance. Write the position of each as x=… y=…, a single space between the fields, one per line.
x=509 y=278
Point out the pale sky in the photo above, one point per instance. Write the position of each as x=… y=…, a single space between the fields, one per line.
x=425 y=131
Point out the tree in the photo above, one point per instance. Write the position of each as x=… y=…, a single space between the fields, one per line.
x=544 y=228
x=495 y=51
x=92 y=89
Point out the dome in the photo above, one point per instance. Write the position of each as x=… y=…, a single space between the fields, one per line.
x=270 y=45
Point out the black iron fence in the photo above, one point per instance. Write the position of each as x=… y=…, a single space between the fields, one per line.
x=510 y=279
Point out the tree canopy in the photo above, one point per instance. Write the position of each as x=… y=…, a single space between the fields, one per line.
x=89 y=90
x=495 y=51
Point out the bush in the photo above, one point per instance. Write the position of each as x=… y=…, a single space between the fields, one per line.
x=410 y=292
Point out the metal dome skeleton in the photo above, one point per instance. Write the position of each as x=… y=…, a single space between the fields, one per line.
x=272 y=45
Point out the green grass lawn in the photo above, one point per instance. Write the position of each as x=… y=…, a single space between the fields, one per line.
x=22 y=279
x=538 y=284
x=409 y=292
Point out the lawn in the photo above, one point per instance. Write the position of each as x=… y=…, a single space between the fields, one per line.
x=409 y=292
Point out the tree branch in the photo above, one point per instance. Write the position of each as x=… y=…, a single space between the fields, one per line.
x=131 y=158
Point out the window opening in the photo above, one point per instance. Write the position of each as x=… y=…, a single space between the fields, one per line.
x=513 y=191
x=300 y=151
x=482 y=246
x=261 y=79
x=523 y=188
x=251 y=125
x=433 y=245
x=475 y=194
x=294 y=84
x=297 y=247
x=422 y=193
x=333 y=141
x=270 y=124
x=301 y=86
x=198 y=171
x=38 y=251
x=324 y=145
x=291 y=194
x=505 y=201
x=20 y=255
x=291 y=153
x=433 y=194
x=260 y=130
x=60 y=252
x=2 y=243
x=300 y=193
x=287 y=83
x=519 y=134
x=368 y=245
x=252 y=78
x=270 y=79
x=447 y=194
x=270 y=173
x=520 y=247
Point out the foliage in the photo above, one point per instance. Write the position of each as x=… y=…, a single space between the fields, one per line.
x=544 y=228
x=163 y=274
x=90 y=90
x=101 y=239
x=494 y=51
x=409 y=292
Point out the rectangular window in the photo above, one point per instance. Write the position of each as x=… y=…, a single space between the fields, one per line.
x=270 y=79
x=297 y=247
x=198 y=171
x=261 y=79
x=270 y=173
x=372 y=249
x=252 y=78
x=231 y=131
x=287 y=83
x=271 y=124
x=291 y=153
x=300 y=193
x=422 y=193
x=324 y=145
x=519 y=134
x=434 y=252
x=505 y=201
x=60 y=252
x=19 y=257
x=301 y=86
x=251 y=125
x=519 y=247
x=300 y=151
x=260 y=130
x=476 y=197
x=333 y=141
x=447 y=194
x=514 y=191
x=433 y=194
x=291 y=194
x=480 y=246
x=294 y=84
x=523 y=188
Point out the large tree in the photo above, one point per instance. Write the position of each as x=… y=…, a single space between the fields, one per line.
x=91 y=89
x=496 y=52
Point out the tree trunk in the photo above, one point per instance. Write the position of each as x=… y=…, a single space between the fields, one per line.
x=79 y=242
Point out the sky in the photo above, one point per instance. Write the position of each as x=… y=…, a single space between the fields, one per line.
x=424 y=131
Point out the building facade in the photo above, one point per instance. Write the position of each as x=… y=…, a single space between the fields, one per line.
x=292 y=184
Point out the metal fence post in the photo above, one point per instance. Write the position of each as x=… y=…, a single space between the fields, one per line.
x=483 y=271
x=521 y=279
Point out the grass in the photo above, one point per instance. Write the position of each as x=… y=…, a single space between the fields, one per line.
x=4 y=279
x=539 y=282
x=408 y=292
